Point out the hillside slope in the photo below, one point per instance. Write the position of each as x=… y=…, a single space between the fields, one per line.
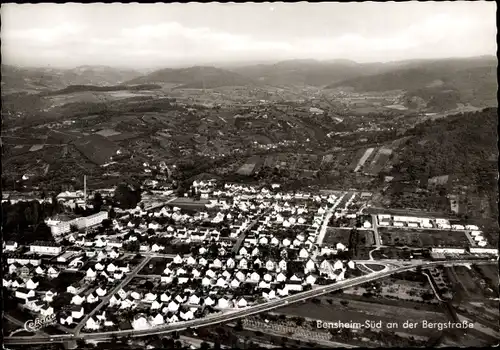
x=16 y=79
x=441 y=84
x=197 y=77
x=463 y=144
x=307 y=72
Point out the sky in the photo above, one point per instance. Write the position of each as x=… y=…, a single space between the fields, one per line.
x=169 y=35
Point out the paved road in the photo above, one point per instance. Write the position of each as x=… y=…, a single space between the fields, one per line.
x=329 y=214
x=243 y=234
x=105 y=300
x=239 y=313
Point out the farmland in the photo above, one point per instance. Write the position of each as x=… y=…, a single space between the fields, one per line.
x=422 y=238
x=336 y=235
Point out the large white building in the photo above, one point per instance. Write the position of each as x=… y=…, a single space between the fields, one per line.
x=46 y=248
x=63 y=227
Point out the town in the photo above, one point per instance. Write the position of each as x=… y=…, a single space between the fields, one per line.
x=189 y=260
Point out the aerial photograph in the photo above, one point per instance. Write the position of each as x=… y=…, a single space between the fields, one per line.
x=249 y=175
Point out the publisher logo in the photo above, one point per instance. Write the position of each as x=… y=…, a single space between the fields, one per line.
x=39 y=323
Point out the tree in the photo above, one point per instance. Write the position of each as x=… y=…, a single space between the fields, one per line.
x=204 y=345
x=97 y=202
x=126 y=197
x=239 y=325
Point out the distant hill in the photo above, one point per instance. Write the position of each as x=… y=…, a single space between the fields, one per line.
x=16 y=79
x=197 y=77
x=462 y=143
x=82 y=88
x=438 y=82
x=307 y=72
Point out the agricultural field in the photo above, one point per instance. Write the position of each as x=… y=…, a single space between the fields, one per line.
x=336 y=235
x=156 y=266
x=379 y=161
x=97 y=148
x=422 y=238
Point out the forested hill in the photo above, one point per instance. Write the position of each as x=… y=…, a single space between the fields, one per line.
x=464 y=144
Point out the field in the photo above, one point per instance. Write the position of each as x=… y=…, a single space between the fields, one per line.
x=96 y=148
x=363 y=159
x=336 y=235
x=423 y=238
x=158 y=264
x=189 y=203
x=375 y=267
x=379 y=161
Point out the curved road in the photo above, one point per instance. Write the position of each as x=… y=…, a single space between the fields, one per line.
x=232 y=315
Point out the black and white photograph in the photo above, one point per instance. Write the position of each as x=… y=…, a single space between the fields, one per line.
x=249 y=175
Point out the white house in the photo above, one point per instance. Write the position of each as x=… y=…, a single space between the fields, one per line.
x=91 y=298
x=173 y=306
x=32 y=285
x=310 y=279
x=165 y=297
x=77 y=300
x=209 y=301
x=90 y=274
x=242 y=303
x=230 y=263
x=243 y=264
x=303 y=254
x=188 y=315
x=254 y=277
x=194 y=300
x=240 y=276
x=11 y=246
x=100 y=291
x=77 y=312
x=155 y=305
x=223 y=303
x=92 y=324
x=271 y=294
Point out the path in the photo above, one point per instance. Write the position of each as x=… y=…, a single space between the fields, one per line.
x=105 y=300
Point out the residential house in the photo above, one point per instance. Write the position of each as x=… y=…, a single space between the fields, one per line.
x=77 y=312
x=23 y=293
x=90 y=274
x=46 y=310
x=209 y=301
x=269 y=294
x=165 y=297
x=92 y=324
x=194 y=300
x=310 y=279
x=270 y=266
x=242 y=303
x=77 y=300
x=113 y=301
x=31 y=284
x=235 y=283
x=243 y=264
x=155 y=305
x=230 y=263
x=91 y=298
x=100 y=291
x=254 y=277
x=173 y=306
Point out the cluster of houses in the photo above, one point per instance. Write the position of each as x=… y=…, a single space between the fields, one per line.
x=266 y=249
